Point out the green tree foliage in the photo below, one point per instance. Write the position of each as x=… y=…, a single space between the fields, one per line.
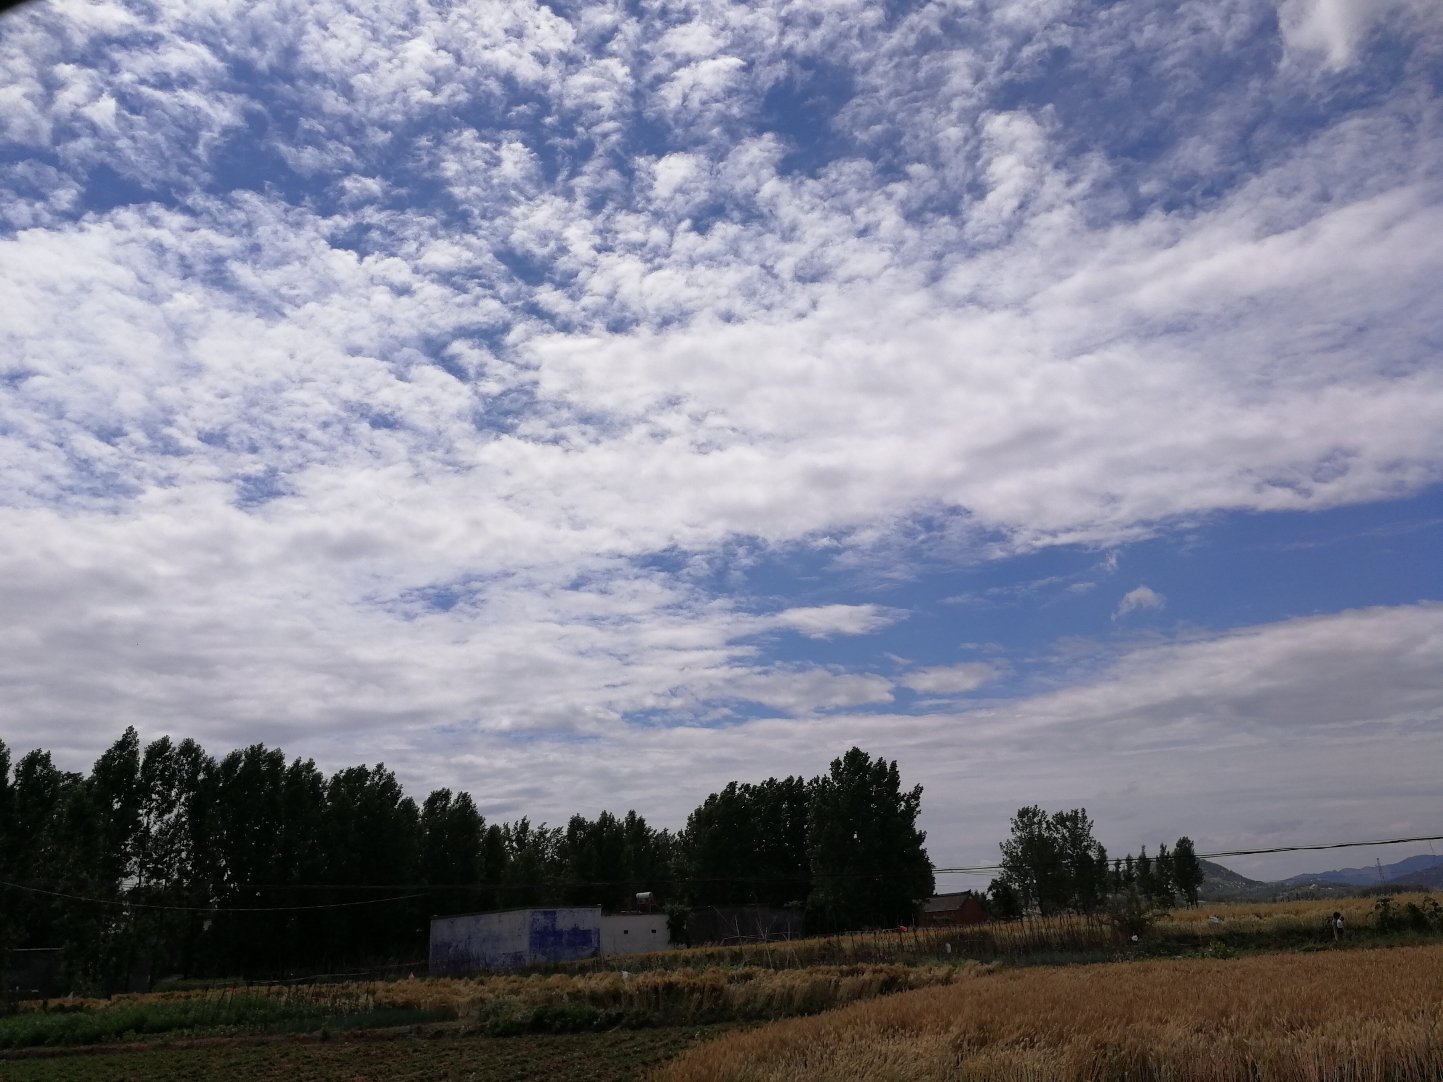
x=495 y=863
x=1003 y=901
x=175 y=856
x=1160 y=881
x=164 y=857
x=1164 y=877
x=1146 y=877
x=1052 y=862
x=748 y=843
x=452 y=857
x=533 y=864
x=371 y=837
x=9 y=851
x=608 y=861
x=42 y=854
x=1187 y=871
x=869 y=866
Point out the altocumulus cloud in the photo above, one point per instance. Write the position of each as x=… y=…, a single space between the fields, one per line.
x=461 y=384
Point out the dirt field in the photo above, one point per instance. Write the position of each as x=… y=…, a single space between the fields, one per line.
x=619 y=1056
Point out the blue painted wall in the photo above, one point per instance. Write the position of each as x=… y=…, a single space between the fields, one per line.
x=513 y=938
x=556 y=936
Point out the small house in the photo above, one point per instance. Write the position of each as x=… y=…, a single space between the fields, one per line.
x=951 y=910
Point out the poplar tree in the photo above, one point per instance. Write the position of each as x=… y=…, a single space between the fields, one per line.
x=868 y=862
x=1187 y=870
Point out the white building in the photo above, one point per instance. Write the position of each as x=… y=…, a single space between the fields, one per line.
x=513 y=938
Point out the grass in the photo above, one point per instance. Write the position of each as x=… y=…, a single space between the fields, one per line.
x=1355 y=1015
x=721 y=986
x=1268 y=926
x=497 y=1005
x=1362 y=917
x=213 y=1013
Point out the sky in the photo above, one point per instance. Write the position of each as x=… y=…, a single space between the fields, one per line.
x=588 y=404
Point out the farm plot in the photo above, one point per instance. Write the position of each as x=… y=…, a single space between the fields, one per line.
x=592 y=1057
x=1359 y=1016
x=497 y=1005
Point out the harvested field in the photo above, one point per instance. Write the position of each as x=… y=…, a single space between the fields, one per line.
x=1069 y=937
x=1260 y=918
x=1359 y=1016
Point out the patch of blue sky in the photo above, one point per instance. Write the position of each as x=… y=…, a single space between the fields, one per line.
x=802 y=108
x=1242 y=569
x=720 y=712
x=1093 y=94
x=531 y=734
x=88 y=484
x=235 y=438
x=245 y=162
x=1226 y=572
x=504 y=413
x=107 y=189
x=530 y=270
x=438 y=597
x=260 y=488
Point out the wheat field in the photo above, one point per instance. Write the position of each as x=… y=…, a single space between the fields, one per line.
x=1332 y=1016
x=519 y=1002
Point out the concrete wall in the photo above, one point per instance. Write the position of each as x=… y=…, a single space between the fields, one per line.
x=513 y=938
x=634 y=933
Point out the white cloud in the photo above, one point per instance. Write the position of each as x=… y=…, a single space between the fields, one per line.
x=824 y=621
x=1290 y=733
x=1139 y=598
x=346 y=460
x=950 y=679
x=805 y=691
x=1338 y=28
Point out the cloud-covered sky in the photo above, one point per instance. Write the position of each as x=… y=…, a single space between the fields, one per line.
x=588 y=404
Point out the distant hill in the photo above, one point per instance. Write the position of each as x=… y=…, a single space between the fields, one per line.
x=1224 y=885
x=1429 y=876
x=1424 y=870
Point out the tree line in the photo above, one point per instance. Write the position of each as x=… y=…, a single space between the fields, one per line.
x=253 y=864
x=1052 y=863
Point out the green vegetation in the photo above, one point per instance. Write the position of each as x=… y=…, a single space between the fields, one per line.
x=430 y=1056
x=217 y=1013
x=164 y=860
x=1053 y=864
x=597 y=1021
x=868 y=863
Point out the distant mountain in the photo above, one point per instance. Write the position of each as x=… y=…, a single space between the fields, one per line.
x=1337 y=877
x=1408 y=870
x=1224 y=885
x=1430 y=877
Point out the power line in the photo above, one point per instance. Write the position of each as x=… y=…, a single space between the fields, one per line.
x=1307 y=848
x=203 y=909
x=422 y=890
x=992 y=869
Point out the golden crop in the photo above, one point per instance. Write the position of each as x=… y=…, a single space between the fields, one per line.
x=671 y=994
x=1359 y=1016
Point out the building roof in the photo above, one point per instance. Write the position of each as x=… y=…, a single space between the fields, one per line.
x=944 y=903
